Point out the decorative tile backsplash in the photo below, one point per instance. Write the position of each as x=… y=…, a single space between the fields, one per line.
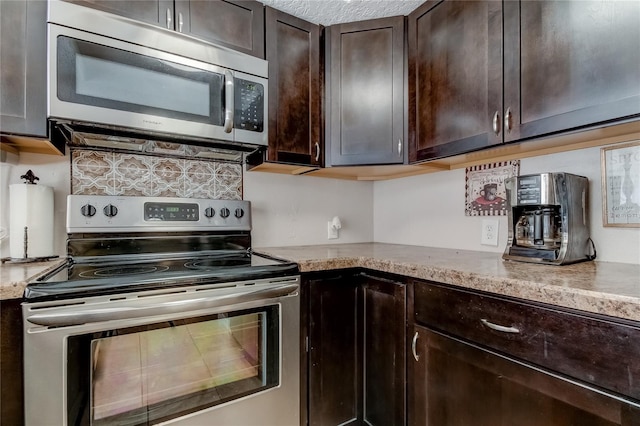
x=114 y=173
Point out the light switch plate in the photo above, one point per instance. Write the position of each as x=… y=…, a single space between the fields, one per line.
x=489 y=232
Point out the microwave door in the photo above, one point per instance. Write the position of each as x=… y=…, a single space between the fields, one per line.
x=101 y=80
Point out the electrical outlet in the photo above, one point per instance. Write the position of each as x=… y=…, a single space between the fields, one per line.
x=489 y=232
x=332 y=232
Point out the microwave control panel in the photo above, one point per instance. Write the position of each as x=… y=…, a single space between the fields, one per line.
x=249 y=106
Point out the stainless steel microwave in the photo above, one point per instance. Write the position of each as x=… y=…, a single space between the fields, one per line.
x=104 y=69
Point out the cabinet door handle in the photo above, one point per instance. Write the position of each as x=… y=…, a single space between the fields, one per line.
x=180 y=23
x=169 y=19
x=399 y=147
x=317 y=152
x=496 y=123
x=414 y=343
x=501 y=328
x=507 y=121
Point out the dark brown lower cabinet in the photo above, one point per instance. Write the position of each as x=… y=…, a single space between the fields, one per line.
x=11 y=382
x=457 y=383
x=356 y=350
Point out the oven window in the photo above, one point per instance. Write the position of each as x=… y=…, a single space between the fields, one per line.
x=144 y=375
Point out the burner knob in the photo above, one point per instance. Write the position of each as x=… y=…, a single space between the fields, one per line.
x=88 y=210
x=110 y=210
x=225 y=212
x=209 y=212
x=239 y=213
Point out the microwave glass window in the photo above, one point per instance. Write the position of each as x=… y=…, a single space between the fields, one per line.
x=144 y=375
x=100 y=78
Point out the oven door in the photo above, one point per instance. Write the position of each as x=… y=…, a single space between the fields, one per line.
x=215 y=356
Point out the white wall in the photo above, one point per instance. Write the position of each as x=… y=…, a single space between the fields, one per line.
x=429 y=209
x=294 y=210
x=53 y=171
x=420 y=210
x=287 y=210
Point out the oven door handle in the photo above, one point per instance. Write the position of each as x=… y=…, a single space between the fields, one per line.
x=79 y=317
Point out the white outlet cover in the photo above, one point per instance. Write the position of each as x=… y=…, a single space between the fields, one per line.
x=332 y=233
x=490 y=228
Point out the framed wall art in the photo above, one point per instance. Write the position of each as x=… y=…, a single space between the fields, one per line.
x=486 y=194
x=621 y=185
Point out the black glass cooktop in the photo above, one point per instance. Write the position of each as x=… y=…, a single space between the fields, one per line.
x=86 y=276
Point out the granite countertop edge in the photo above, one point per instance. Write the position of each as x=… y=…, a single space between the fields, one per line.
x=580 y=286
x=14 y=277
x=567 y=294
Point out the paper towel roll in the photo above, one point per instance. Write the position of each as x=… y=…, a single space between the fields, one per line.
x=30 y=206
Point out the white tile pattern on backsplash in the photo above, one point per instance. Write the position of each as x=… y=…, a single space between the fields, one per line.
x=92 y=173
x=132 y=174
x=113 y=173
x=228 y=181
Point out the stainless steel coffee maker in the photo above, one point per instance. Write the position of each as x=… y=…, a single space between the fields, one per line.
x=548 y=221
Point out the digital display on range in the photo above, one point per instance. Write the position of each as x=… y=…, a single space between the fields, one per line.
x=175 y=212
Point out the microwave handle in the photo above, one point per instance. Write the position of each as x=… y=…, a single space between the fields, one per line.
x=229 y=97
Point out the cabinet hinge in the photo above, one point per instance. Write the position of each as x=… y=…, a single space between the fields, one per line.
x=306 y=343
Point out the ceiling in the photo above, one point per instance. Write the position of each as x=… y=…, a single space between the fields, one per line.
x=329 y=12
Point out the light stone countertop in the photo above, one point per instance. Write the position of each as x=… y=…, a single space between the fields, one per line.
x=600 y=287
x=15 y=276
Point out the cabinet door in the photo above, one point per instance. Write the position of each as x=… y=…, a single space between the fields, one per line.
x=157 y=12
x=23 y=67
x=365 y=91
x=237 y=24
x=456 y=383
x=334 y=352
x=455 y=78
x=384 y=330
x=570 y=64
x=293 y=52
x=11 y=361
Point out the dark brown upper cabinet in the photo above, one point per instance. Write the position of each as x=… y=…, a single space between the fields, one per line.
x=564 y=66
x=365 y=92
x=293 y=52
x=455 y=77
x=569 y=65
x=156 y=12
x=237 y=24
x=23 y=68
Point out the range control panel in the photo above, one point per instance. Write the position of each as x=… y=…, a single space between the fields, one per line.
x=106 y=213
x=178 y=212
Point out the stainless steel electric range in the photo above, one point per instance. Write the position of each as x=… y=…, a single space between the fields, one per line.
x=162 y=315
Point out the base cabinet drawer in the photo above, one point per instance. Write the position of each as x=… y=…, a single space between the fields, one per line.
x=591 y=349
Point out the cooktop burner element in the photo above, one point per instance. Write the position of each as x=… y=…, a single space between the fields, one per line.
x=126 y=244
x=209 y=264
x=115 y=271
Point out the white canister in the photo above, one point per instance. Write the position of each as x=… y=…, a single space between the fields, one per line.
x=30 y=207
